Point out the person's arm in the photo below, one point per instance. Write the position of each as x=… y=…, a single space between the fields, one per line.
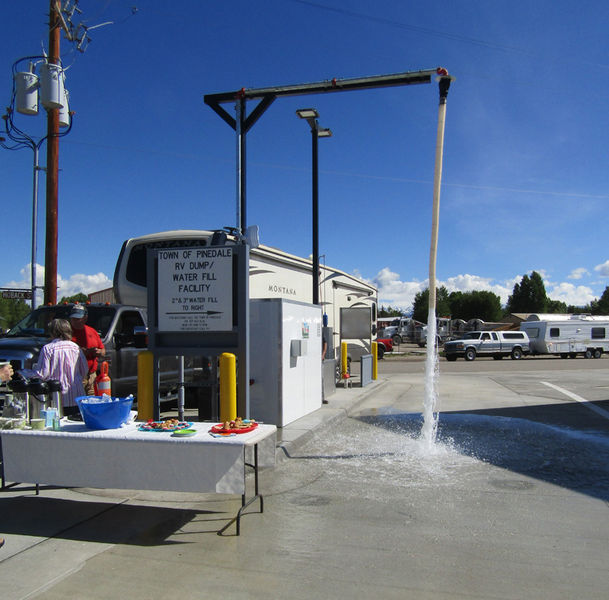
x=42 y=368
x=99 y=348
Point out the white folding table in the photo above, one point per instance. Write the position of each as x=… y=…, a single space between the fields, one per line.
x=127 y=458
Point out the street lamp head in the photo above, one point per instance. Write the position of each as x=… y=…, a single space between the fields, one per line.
x=307 y=113
x=324 y=132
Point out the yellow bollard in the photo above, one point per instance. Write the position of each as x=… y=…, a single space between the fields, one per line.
x=343 y=358
x=228 y=387
x=375 y=360
x=145 y=385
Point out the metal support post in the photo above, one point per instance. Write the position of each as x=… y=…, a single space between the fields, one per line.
x=34 y=226
x=241 y=132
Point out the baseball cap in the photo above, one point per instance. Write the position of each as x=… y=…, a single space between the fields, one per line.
x=78 y=312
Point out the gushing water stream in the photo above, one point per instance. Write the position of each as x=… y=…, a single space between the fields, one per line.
x=430 y=411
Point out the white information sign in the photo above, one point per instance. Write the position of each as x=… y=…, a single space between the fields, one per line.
x=195 y=289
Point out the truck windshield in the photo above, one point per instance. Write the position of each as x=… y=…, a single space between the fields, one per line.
x=36 y=323
x=473 y=335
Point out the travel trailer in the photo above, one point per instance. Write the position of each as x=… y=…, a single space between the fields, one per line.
x=273 y=274
x=567 y=335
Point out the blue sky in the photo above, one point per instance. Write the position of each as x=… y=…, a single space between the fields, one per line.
x=525 y=182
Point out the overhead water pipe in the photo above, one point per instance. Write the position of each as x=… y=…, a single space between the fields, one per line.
x=444 y=84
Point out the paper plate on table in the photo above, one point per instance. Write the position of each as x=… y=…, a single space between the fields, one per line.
x=184 y=433
x=165 y=426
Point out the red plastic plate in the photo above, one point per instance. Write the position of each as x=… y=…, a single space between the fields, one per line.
x=220 y=429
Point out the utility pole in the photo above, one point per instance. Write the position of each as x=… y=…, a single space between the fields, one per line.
x=52 y=187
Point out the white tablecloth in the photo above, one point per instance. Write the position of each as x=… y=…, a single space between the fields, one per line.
x=127 y=458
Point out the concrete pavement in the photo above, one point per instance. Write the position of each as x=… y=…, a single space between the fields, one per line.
x=51 y=536
x=353 y=509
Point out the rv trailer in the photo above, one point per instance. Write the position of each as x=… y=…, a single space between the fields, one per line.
x=567 y=335
x=273 y=274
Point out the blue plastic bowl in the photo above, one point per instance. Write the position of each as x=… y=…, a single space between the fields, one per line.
x=104 y=415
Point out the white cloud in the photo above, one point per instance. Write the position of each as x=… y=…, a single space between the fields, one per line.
x=74 y=284
x=396 y=293
x=603 y=270
x=80 y=282
x=578 y=273
x=568 y=293
x=400 y=294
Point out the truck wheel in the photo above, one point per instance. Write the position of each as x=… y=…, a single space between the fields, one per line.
x=470 y=354
x=516 y=353
x=573 y=355
x=598 y=353
x=396 y=339
x=497 y=356
x=588 y=353
x=451 y=357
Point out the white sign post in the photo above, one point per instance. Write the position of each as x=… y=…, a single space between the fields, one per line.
x=195 y=289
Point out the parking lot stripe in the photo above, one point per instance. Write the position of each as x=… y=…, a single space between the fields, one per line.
x=586 y=403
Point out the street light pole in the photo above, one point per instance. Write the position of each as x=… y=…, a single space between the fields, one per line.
x=34 y=225
x=315 y=214
x=21 y=139
x=310 y=114
x=17 y=139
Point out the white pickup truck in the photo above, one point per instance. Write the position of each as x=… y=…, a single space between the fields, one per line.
x=488 y=343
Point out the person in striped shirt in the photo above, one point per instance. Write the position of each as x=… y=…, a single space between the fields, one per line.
x=62 y=359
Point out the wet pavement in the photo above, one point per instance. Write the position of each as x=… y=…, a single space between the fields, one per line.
x=511 y=503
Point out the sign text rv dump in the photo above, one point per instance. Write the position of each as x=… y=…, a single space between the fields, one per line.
x=195 y=289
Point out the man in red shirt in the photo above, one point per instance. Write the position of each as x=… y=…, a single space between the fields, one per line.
x=90 y=342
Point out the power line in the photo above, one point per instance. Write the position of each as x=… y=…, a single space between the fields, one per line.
x=388 y=178
x=444 y=34
x=410 y=27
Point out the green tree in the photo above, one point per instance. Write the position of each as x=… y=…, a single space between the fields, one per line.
x=556 y=306
x=80 y=297
x=601 y=306
x=389 y=311
x=528 y=296
x=477 y=304
x=591 y=308
x=12 y=311
x=421 y=304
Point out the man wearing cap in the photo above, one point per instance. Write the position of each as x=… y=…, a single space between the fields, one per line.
x=90 y=342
